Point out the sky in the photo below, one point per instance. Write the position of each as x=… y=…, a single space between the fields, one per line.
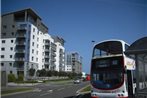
x=79 y=22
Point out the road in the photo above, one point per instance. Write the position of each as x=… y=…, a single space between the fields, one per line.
x=52 y=91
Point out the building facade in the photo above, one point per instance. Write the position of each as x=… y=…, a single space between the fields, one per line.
x=73 y=63
x=25 y=43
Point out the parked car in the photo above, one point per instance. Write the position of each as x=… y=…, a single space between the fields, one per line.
x=77 y=81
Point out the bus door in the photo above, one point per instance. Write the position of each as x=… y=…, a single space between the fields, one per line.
x=130 y=83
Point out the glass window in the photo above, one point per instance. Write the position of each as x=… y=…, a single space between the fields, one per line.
x=2 y=64
x=10 y=64
x=32 y=58
x=10 y=56
x=33 y=29
x=107 y=73
x=4 y=26
x=11 y=72
x=12 y=33
x=33 y=36
x=11 y=48
x=13 y=26
x=107 y=79
x=32 y=50
x=3 y=49
x=3 y=34
x=2 y=56
x=32 y=43
x=11 y=41
x=3 y=41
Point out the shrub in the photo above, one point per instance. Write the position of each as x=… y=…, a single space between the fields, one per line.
x=20 y=78
x=11 y=78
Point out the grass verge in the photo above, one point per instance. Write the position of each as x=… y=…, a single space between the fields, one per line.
x=15 y=90
x=86 y=89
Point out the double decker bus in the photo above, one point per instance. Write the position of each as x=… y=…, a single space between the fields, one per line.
x=111 y=70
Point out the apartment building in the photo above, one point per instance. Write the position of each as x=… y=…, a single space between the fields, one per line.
x=60 y=53
x=73 y=62
x=25 y=43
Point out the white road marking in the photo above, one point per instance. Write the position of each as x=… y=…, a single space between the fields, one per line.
x=60 y=89
x=50 y=91
x=37 y=90
x=44 y=94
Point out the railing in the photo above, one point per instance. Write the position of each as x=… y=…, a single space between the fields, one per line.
x=46 y=62
x=20 y=43
x=19 y=59
x=20 y=35
x=22 y=27
x=20 y=51
x=46 y=56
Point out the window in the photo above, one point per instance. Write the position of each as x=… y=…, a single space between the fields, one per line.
x=37 y=52
x=33 y=36
x=38 y=33
x=36 y=59
x=3 y=41
x=37 y=39
x=13 y=26
x=32 y=43
x=10 y=56
x=32 y=50
x=3 y=34
x=32 y=58
x=10 y=64
x=11 y=41
x=33 y=29
x=2 y=56
x=2 y=49
x=37 y=45
x=4 y=26
x=11 y=48
x=12 y=33
x=11 y=72
x=2 y=64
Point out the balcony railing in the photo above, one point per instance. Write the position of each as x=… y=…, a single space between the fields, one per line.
x=19 y=59
x=20 y=35
x=46 y=62
x=22 y=27
x=20 y=69
x=46 y=43
x=46 y=56
x=20 y=51
x=20 y=43
x=47 y=50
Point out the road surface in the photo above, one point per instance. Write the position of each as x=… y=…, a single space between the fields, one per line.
x=52 y=91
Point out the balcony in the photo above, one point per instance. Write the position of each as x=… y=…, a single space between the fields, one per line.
x=20 y=35
x=20 y=43
x=20 y=51
x=19 y=59
x=46 y=56
x=46 y=50
x=53 y=59
x=22 y=27
x=47 y=43
x=20 y=69
x=46 y=62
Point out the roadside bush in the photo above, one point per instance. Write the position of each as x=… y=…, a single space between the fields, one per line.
x=11 y=78
x=20 y=78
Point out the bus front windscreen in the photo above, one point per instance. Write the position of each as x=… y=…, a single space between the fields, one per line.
x=107 y=73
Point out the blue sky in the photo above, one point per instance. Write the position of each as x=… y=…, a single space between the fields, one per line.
x=81 y=21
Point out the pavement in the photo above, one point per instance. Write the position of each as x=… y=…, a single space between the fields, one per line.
x=49 y=91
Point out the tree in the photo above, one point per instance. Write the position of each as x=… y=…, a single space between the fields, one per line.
x=31 y=72
x=42 y=72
